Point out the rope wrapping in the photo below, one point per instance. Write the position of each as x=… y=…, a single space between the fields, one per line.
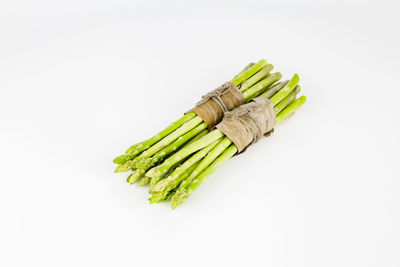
x=246 y=124
x=214 y=104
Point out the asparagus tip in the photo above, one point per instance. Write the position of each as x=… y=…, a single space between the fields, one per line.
x=144 y=181
x=120 y=159
x=295 y=79
x=178 y=198
x=122 y=168
x=134 y=177
x=157 y=198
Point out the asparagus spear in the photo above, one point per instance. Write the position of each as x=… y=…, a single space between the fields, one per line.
x=186 y=127
x=247 y=73
x=194 y=139
x=290 y=109
x=245 y=68
x=163 y=188
x=137 y=148
x=186 y=151
x=285 y=91
x=161 y=196
x=258 y=87
x=170 y=184
x=146 y=163
x=174 y=179
x=256 y=77
x=271 y=91
x=287 y=100
x=181 y=195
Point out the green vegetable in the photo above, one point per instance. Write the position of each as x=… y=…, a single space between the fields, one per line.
x=136 y=155
x=182 y=156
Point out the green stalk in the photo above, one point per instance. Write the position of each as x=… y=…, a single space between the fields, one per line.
x=285 y=91
x=186 y=151
x=290 y=109
x=164 y=196
x=186 y=127
x=173 y=180
x=256 y=77
x=271 y=91
x=194 y=139
x=143 y=165
x=244 y=75
x=253 y=91
x=287 y=100
x=211 y=156
x=180 y=196
x=144 y=181
x=245 y=68
x=138 y=148
x=165 y=175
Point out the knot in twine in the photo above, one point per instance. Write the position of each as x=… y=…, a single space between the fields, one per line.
x=214 y=104
x=216 y=95
x=246 y=124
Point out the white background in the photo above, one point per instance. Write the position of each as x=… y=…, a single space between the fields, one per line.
x=82 y=80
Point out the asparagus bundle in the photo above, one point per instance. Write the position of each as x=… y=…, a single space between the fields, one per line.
x=252 y=81
x=202 y=157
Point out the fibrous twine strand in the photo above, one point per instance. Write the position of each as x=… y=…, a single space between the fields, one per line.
x=216 y=96
x=246 y=124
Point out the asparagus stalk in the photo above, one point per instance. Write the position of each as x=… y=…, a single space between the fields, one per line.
x=174 y=179
x=256 y=77
x=285 y=91
x=154 y=181
x=245 y=68
x=258 y=87
x=290 y=109
x=171 y=182
x=271 y=91
x=287 y=100
x=138 y=148
x=145 y=164
x=181 y=195
x=161 y=196
x=209 y=138
x=247 y=73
